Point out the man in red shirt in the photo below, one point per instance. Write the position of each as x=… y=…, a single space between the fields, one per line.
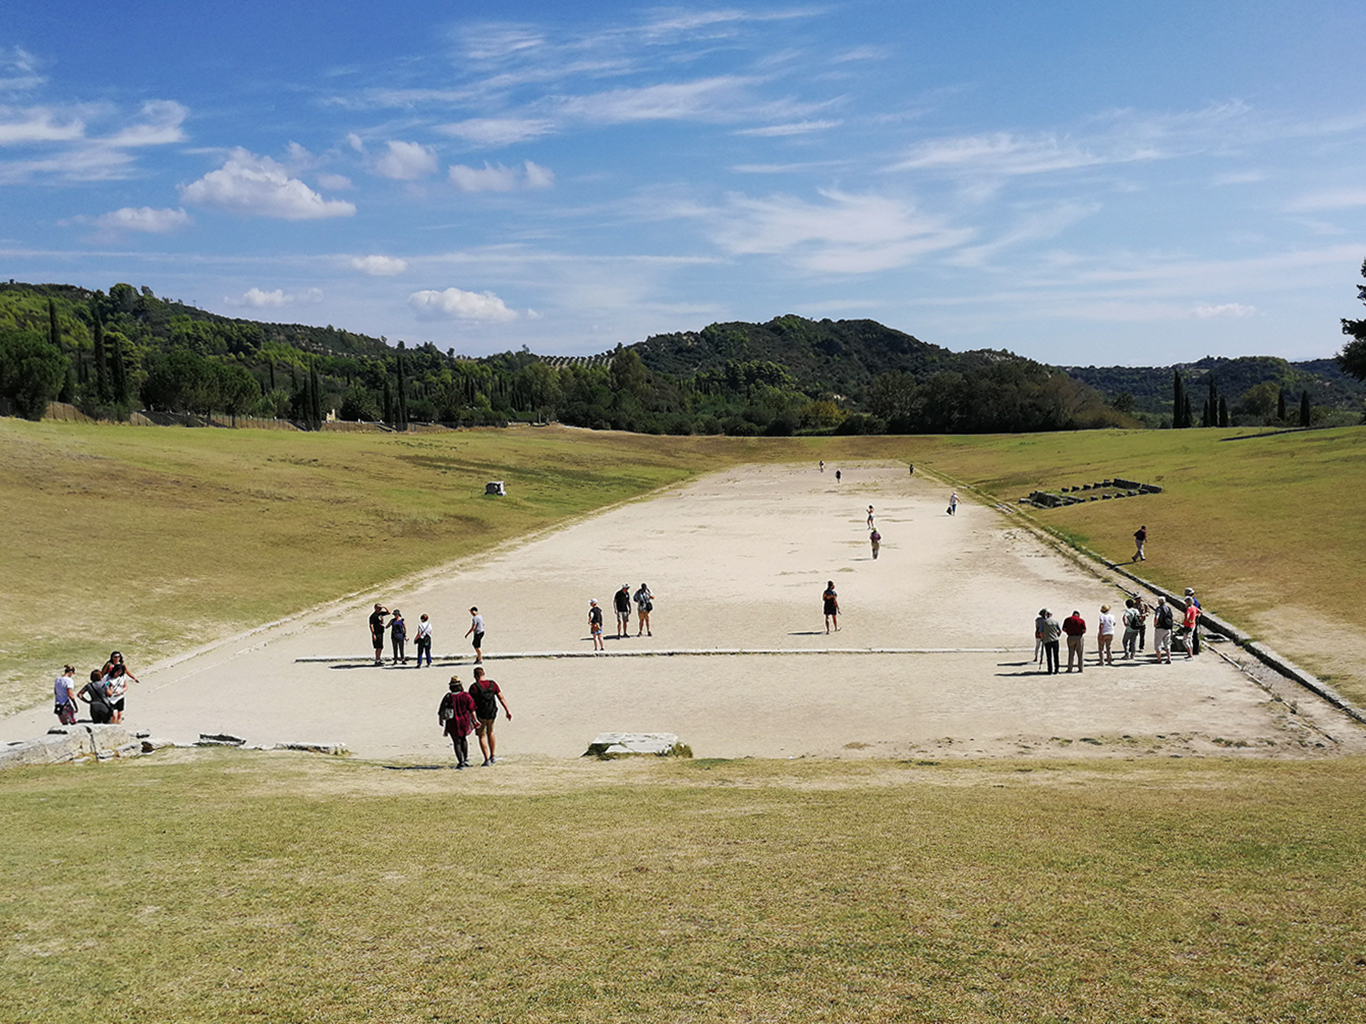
x=1075 y=628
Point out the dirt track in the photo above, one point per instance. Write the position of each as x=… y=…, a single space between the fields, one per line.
x=738 y=561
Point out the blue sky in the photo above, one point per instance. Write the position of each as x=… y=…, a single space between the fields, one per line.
x=1082 y=183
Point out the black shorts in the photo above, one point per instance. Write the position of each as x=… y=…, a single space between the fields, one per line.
x=478 y=641
x=118 y=705
x=376 y=640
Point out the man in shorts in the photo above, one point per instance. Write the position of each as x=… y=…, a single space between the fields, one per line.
x=487 y=697
x=477 y=630
x=377 y=632
x=622 y=603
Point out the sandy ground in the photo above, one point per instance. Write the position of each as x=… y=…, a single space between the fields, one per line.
x=737 y=562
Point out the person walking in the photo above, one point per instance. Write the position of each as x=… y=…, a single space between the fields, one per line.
x=1129 y=641
x=953 y=503
x=875 y=539
x=1162 y=631
x=837 y=476
x=1051 y=633
x=456 y=713
x=595 y=625
x=64 y=696
x=477 y=631
x=831 y=602
x=1105 y=637
x=1075 y=628
x=487 y=696
x=398 y=637
x=870 y=517
x=645 y=604
x=621 y=601
x=377 y=632
x=822 y=465
x=424 y=641
x=1140 y=538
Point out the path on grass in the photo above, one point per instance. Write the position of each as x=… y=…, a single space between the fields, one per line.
x=738 y=561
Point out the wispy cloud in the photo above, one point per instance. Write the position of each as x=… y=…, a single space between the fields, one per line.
x=775 y=131
x=497 y=131
x=500 y=178
x=19 y=126
x=61 y=146
x=256 y=298
x=454 y=304
x=844 y=234
x=705 y=98
x=1227 y=309
x=19 y=70
x=1333 y=199
x=258 y=186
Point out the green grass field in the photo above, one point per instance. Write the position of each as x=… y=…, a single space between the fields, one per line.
x=281 y=888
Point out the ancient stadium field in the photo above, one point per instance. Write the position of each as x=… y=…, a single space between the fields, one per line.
x=934 y=656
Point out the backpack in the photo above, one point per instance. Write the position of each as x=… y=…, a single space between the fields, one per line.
x=1163 y=618
x=445 y=711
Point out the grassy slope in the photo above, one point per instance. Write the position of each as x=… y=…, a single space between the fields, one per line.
x=267 y=887
x=156 y=540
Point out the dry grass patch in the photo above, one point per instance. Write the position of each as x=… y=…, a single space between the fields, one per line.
x=294 y=888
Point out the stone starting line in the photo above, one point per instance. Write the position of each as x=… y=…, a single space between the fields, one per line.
x=677 y=652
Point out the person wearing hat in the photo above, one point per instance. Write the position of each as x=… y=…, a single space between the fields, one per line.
x=456 y=715
x=595 y=625
x=1105 y=637
x=621 y=601
x=398 y=637
x=1050 y=632
x=377 y=632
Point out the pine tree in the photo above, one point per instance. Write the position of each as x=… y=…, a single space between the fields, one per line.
x=1178 y=399
x=1305 y=409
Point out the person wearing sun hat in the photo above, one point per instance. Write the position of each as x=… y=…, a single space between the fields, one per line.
x=595 y=625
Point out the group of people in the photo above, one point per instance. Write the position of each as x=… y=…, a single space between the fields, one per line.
x=475 y=710
x=105 y=692
x=397 y=629
x=1171 y=623
x=644 y=601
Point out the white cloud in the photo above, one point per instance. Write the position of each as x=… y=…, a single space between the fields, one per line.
x=160 y=126
x=407 y=161
x=1335 y=199
x=776 y=131
x=143 y=218
x=454 y=304
x=258 y=299
x=379 y=266
x=707 y=98
x=500 y=178
x=1227 y=309
x=355 y=142
x=846 y=234
x=258 y=186
x=334 y=182
x=37 y=124
x=497 y=131
x=999 y=153
x=18 y=70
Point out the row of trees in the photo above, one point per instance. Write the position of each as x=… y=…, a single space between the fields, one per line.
x=1255 y=406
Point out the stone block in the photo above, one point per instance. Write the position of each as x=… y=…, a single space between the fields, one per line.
x=619 y=744
x=219 y=739
x=334 y=749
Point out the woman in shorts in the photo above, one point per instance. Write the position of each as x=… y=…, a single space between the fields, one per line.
x=595 y=625
x=645 y=604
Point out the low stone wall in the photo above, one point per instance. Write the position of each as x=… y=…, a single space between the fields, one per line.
x=66 y=743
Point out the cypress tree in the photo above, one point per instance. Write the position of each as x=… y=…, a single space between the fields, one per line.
x=118 y=372
x=101 y=365
x=1178 y=399
x=1212 y=417
x=1223 y=412
x=402 y=393
x=1280 y=405
x=1305 y=409
x=1205 y=414
x=388 y=401
x=1187 y=419
x=315 y=401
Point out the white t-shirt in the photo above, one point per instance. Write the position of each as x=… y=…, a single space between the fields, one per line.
x=64 y=689
x=1107 y=624
x=478 y=623
x=424 y=630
